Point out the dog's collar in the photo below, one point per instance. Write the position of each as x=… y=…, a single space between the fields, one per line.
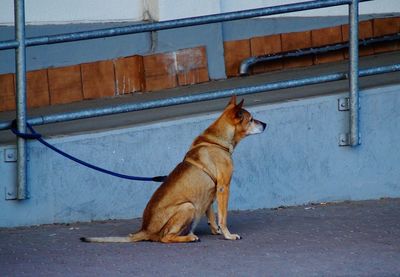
x=227 y=148
x=201 y=167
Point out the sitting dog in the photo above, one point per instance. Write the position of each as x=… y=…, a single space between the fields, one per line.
x=190 y=189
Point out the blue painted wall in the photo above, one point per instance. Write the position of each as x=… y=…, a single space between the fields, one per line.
x=297 y=160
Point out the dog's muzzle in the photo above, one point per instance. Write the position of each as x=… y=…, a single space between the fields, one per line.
x=257 y=127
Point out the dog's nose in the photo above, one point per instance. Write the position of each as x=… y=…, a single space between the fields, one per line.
x=264 y=125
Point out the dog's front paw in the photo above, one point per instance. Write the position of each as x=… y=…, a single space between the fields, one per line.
x=233 y=237
x=215 y=230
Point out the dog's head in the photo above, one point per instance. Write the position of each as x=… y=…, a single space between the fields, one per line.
x=242 y=120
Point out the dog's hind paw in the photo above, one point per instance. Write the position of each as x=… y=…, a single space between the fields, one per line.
x=194 y=238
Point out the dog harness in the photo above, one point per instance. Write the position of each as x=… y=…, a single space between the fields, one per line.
x=202 y=167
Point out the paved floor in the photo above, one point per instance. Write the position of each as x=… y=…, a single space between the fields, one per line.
x=344 y=239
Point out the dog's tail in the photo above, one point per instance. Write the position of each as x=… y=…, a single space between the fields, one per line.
x=139 y=236
x=106 y=239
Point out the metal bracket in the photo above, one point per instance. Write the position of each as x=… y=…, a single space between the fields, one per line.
x=8 y=179
x=10 y=155
x=344 y=104
x=11 y=193
x=344 y=139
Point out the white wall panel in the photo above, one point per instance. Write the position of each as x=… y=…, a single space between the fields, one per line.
x=373 y=7
x=173 y=9
x=73 y=11
x=78 y=11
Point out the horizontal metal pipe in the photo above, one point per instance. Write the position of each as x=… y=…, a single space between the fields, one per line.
x=379 y=70
x=61 y=117
x=9 y=44
x=177 y=23
x=251 y=61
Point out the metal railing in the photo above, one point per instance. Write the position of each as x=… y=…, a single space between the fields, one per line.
x=21 y=43
x=247 y=63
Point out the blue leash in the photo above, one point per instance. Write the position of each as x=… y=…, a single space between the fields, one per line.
x=38 y=137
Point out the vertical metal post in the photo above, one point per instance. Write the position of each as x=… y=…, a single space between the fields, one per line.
x=354 y=72
x=20 y=62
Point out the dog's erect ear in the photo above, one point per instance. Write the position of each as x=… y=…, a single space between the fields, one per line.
x=238 y=110
x=232 y=102
x=240 y=105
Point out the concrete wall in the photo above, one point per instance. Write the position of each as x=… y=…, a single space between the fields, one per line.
x=64 y=54
x=297 y=160
x=212 y=36
x=42 y=14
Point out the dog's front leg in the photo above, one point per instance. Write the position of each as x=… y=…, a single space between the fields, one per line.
x=215 y=230
x=222 y=200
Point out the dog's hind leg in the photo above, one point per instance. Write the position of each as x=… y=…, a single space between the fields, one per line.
x=139 y=236
x=179 y=225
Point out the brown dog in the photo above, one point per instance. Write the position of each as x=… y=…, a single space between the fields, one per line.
x=203 y=176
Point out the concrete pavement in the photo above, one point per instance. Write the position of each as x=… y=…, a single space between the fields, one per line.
x=342 y=239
